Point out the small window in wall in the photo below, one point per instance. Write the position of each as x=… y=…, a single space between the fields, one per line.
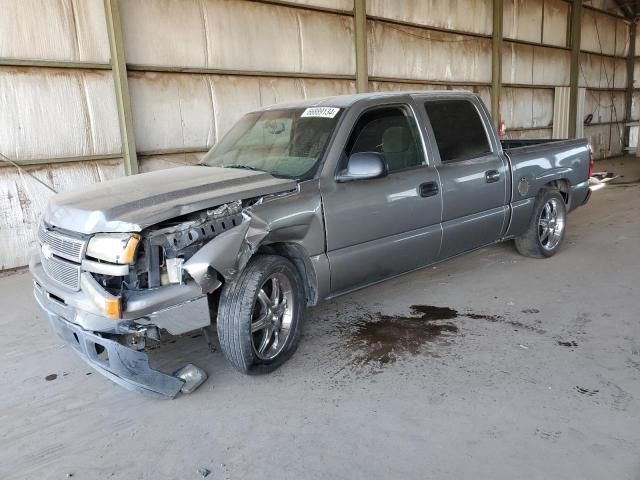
x=458 y=128
x=390 y=131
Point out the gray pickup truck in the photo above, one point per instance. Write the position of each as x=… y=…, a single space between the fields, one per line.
x=297 y=203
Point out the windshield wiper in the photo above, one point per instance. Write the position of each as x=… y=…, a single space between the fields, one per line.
x=245 y=167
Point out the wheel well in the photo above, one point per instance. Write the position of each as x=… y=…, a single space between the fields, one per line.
x=300 y=260
x=562 y=186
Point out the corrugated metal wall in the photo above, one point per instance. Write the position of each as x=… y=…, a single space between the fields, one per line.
x=195 y=66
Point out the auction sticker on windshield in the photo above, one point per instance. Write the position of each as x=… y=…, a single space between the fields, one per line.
x=322 y=112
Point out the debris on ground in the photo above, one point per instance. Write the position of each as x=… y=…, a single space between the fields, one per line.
x=602 y=177
x=204 y=472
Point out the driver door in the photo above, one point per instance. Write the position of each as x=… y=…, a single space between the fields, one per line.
x=378 y=228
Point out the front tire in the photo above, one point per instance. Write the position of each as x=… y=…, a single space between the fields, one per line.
x=546 y=228
x=260 y=315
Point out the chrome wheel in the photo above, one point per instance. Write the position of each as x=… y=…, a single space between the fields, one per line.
x=551 y=224
x=272 y=316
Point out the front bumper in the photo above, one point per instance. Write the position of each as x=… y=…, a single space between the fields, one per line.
x=125 y=366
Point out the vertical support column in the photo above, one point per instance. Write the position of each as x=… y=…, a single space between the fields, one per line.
x=360 y=25
x=496 y=61
x=576 y=31
x=628 y=97
x=119 y=69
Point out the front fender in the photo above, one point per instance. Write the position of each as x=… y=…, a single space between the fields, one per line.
x=227 y=254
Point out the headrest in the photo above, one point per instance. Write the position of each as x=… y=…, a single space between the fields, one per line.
x=396 y=139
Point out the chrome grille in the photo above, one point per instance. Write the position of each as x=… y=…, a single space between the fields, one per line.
x=63 y=272
x=61 y=256
x=62 y=245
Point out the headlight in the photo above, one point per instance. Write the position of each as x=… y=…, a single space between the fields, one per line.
x=114 y=247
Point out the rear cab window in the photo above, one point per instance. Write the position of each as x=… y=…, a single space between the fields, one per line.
x=458 y=129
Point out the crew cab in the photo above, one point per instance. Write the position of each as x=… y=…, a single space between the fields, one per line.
x=296 y=204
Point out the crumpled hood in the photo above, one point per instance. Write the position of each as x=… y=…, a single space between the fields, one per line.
x=130 y=204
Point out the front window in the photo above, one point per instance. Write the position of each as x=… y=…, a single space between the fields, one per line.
x=285 y=143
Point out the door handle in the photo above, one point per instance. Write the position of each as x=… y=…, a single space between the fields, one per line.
x=492 y=176
x=429 y=189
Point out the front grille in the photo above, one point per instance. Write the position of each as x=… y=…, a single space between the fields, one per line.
x=56 y=251
x=63 y=272
x=62 y=245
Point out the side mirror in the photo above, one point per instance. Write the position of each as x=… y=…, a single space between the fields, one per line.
x=363 y=166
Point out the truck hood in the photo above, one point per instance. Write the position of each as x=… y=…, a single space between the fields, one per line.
x=130 y=204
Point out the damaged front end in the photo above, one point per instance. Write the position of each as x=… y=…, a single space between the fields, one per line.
x=109 y=295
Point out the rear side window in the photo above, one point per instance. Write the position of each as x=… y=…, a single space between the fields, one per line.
x=458 y=128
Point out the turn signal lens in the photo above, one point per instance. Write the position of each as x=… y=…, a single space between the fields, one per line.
x=130 y=250
x=110 y=304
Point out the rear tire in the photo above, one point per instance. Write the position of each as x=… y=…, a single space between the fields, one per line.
x=547 y=226
x=260 y=315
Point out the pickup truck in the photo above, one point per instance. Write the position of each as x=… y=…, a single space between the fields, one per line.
x=297 y=203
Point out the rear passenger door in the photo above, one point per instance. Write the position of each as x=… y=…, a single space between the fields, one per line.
x=473 y=174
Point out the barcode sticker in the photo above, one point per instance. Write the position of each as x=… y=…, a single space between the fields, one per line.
x=321 y=112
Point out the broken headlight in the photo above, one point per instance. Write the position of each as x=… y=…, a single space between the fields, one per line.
x=114 y=247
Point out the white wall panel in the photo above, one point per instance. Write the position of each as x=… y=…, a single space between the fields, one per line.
x=411 y=53
x=159 y=162
x=22 y=200
x=528 y=134
x=527 y=64
x=602 y=72
x=215 y=34
x=60 y=30
x=598 y=32
x=464 y=15
x=551 y=66
x=605 y=139
x=522 y=20
x=526 y=108
x=608 y=5
x=635 y=106
x=57 y=113
x=184 y=111
x=556 y=19
x=403 y=87
x=605 y=106
x=346 y=5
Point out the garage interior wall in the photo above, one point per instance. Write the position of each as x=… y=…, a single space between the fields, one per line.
x=195 y=66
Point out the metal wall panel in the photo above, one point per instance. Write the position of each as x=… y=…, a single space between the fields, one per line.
x=556 y=22
x=529 y=134
x=215 y=34
x=522 y=20
x=57 y=113
x=532 y=65
x=597 y=71
x=468 y=15
x=183 y=111
x=22 y=200
x=150 y=163
x=411 y=53
x=58 y=30
x=526 y=108
x=345 y=5
x=606 y=140
x=605 y=106
x=602 y=33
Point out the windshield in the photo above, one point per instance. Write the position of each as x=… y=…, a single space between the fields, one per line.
x=286 y=143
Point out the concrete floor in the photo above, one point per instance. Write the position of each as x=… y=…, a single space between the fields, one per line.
x=537 y=376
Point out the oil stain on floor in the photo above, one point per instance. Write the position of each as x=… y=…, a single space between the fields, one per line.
x=380 y=339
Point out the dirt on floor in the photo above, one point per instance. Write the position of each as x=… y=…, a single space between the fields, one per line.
x=491 y=365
